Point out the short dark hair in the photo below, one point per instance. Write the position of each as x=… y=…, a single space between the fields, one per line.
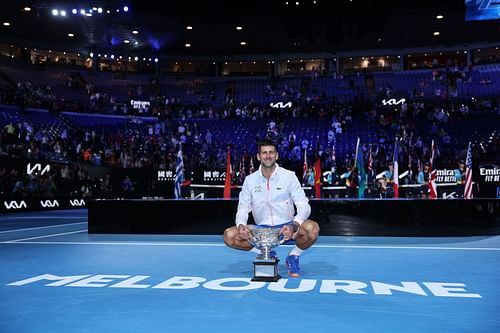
x=266 y=142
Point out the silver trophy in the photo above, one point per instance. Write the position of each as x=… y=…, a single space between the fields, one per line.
x=266 y=264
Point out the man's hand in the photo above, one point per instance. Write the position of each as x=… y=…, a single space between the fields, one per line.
x=289 y=232
x=243 y=232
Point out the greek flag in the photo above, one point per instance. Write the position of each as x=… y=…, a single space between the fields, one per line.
x=179 y=174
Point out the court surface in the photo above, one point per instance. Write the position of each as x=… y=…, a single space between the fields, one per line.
x=55 y=277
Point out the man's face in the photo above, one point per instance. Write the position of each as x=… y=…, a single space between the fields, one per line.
x=267 y=156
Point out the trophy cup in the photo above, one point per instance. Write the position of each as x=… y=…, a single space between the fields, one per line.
x=266 y=264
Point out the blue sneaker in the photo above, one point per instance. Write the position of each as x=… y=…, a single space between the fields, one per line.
x=292 y=263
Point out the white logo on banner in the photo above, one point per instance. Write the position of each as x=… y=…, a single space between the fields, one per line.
x=15 y=205
x=48 y=203
x=393 y=101
x=37 y=168
x=76 y=202
x=280 y=105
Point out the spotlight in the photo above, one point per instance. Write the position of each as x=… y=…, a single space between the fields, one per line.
x=63 y=13
x=112 y=56
x=82 y=11
x=156 y=59
x=99 y=10
x=74 y=11
x=55 y=12
x=125 y=9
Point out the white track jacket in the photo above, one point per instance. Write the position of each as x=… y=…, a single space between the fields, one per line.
x=271 y=200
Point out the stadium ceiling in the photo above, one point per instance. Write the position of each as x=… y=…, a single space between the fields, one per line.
x=154 y=28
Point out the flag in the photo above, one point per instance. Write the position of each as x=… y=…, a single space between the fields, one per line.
x=242 y=175
x=468 y=174
x=179 y=173
x=360 y=165
x=252 y=168
x=304 y=168
x=370 y=161
x=395 y=172
x=432 y=174
x=317 y=178
x=227 y=183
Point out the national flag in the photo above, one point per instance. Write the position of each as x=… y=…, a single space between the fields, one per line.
x=304 y=168
x=227 y=183
x=179 y=173
x=370 y=161
x=252 y=168
x=242 y=174
x=360 y=165
x=395 y=172
x=432 y=174
x=317 y=178
x=468 y=174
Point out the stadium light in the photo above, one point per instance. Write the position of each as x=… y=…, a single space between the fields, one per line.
x=74 y=11
x=55 y=12
x=63 y=13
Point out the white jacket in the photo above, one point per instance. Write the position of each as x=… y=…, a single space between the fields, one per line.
x=271 y=200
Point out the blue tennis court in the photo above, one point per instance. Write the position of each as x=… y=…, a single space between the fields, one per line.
x=55 y=277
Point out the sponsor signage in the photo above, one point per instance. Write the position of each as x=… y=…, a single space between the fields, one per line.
x=37 y=168
x=13 y=204
x=49 y=203
x=280 y=105
x=393 y=101
x=77 y=202
x=140 y=104
x=489 y=174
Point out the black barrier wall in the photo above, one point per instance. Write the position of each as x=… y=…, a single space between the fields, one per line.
x=335 y=217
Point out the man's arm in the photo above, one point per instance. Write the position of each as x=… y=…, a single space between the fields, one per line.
x=244 y=204
x=300 y=200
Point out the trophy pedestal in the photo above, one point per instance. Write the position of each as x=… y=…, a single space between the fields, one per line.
x=266 y=270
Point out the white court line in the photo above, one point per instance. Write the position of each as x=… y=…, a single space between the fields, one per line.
x=223 y=245
x=47 y=226
x=45 y=236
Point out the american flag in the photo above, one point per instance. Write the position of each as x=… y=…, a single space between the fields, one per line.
x=468 y=174
x=432 y=174
x=179 y=173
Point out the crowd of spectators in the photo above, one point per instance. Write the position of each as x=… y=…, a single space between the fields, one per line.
x=154 y=144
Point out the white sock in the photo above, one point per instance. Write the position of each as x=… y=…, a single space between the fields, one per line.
x=255 y=250
x=296 y=251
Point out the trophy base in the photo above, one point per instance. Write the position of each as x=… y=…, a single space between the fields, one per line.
x=266 y=270
x=266 y=279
